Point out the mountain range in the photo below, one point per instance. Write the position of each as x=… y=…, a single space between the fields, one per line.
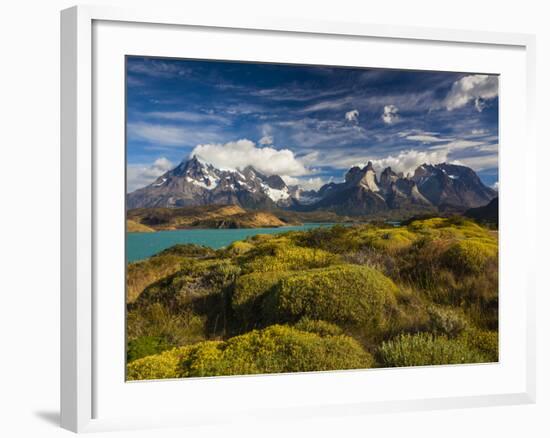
x=431 y=187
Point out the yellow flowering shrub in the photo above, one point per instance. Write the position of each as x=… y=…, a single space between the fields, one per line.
x=158 y=366
x=469 y=256
x=276 y=349
x=282 y=255
x=347 y=294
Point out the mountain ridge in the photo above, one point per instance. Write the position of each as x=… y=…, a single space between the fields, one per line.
x=432 y=187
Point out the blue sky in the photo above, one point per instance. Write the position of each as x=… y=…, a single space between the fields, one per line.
x=308 y=124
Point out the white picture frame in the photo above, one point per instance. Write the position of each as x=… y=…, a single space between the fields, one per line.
x=83 y=369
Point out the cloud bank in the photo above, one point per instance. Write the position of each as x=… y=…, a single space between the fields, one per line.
x=159 y=135
x=241 y=153
x=139 y=175
x=477 y=88
x=408 y=161
x=313 y=183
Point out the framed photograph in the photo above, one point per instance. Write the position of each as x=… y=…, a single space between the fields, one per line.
x=265 y=218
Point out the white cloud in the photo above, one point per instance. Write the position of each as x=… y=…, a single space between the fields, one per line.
x=139 y=175
x=480 y=162
x=314 y=183
x=479 y=131
x=331 y=104
x=488 y=148
x=168 y=135
x=310 y=159
x=405 y=161
x=458 y=144
x=473 y=87
x=352 y=116
x=389 y=115
x=158 y=68
x=495 y=186
x=315 y=132
x=480 y=104
x=241 y=153
x=266 y=140
x=426 y=138
x=408 y=161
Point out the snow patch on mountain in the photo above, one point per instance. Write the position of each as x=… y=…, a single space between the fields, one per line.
x=208 y=183
x=276 y=195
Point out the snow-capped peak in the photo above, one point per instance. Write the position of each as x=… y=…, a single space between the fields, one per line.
x=276 y=195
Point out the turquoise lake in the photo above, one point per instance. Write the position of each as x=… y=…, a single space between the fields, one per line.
x=142 y=245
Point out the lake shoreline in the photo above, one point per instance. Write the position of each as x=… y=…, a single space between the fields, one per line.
x=243 y=228
x=142 y=245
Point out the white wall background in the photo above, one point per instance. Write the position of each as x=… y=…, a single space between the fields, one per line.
x=29 y=216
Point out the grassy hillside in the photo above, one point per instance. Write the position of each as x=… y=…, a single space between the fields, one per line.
x=355 y=296
x=211 y=216
x=136 y=227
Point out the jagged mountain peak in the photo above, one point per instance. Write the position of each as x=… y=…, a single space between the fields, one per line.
x=389 y=171
x=196 y=182
x=452 y=185
x=365 y=177
x=368 y=167
x=431 y=186
x=388 y=177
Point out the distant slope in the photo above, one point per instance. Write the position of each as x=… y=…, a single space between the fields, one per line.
x=210 y=216
x=319 y=216
x=486 y=214
x=136 y=227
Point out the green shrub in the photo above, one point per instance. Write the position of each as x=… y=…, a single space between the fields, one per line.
x=389 y=240
x=426 y=349
x=141 y=274
x=347 y=294
x=167 y=262
x=239 y=248
x=281 y=255
x=196 y=279
x=158 y=366
x=188 y=250
x=446 y=321
x=337 y=239
x=145 y=346
x=485 y=341
x=469 y=256
x=409 y=317
x=258 y=238
x=249 y=292
x=203 y=359
x=422 y=225
x=157 y=321
x=322 y=328
x=222 y=274
x=277 y=349
x=459 y=271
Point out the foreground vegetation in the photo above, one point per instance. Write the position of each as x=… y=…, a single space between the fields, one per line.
x=343 y=297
